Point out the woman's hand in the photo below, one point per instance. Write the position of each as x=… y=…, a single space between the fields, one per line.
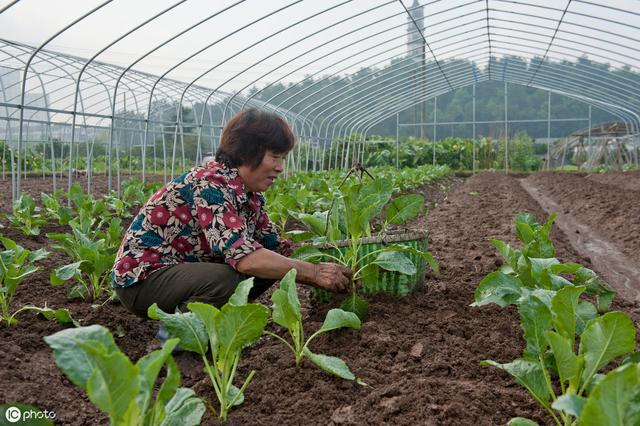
x=332 y=277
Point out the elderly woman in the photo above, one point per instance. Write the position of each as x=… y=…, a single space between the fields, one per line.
x=207 y=230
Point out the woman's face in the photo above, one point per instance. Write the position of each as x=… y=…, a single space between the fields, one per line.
x=263 y=176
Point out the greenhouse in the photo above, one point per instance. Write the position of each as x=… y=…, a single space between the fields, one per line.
x=435 y=205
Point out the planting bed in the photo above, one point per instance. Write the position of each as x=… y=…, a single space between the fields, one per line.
x=419 y=355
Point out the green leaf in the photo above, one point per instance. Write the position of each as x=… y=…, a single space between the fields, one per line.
x=604 y=339
x=337 y=318
x=357 y=305
x=585 y=312
x=498 y=288
x=521 y=421
x=149 y=367
x=239 y=326
x=527 y=373
x=186 y=326
x=566 y=360
x=308 y=254
x=563 y=306
x=615 y=400
x=395 y=261
x=70 y=358
x=66 y=272
x=330 y=364
x=536 y=320
x=509 y=255
x=315 y=222
x=404 y=208
x=114 y=381
x=184 y=409
x=167 y=389
x=61 y=315
x=286 y=305
x=206 y=313
x=241 y=294
x=298 y=235
x=570 y=404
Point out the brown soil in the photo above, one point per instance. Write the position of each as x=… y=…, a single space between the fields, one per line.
x=419 y=354
x=625 y=180
x=605 y=207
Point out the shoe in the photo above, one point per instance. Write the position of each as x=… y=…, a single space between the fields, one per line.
x=163 y=335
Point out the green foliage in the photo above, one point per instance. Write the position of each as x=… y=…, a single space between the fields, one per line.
x=92 y=252
x=25 y=216
x=55 y=209
x=552 y=318
x=535 y=267
x=16 y=263
x=286 y=313
x=121 y=389
x=219 y=336
x=350 y=217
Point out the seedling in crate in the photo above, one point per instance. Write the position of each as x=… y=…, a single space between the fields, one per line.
x=286 y=312
x=350 y=217
x=123 y=390
x=218 y=336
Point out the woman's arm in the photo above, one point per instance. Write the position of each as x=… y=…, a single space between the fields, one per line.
x=265 y=263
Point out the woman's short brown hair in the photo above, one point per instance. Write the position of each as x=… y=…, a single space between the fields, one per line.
x=250 y=134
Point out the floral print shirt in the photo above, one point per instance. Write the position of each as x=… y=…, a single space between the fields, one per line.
x=204 y=215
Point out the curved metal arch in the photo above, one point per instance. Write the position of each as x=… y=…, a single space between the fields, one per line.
x=570 y=70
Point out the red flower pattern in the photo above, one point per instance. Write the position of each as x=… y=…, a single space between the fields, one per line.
x=181 y=245
x=126 y=264
x=147 y=249
x=205 y=217
x=232 y=220
x=183 y=213
x=160 y=215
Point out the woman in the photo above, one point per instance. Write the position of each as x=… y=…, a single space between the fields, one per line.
x=205 y=231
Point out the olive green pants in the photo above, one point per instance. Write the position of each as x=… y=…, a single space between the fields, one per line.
x=175 y=286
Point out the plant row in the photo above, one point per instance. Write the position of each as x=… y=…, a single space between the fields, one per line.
x=571 y=337
x=125 y=391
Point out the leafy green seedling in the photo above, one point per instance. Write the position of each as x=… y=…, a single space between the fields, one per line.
x=25 y=216
x=16 y=263
x=54 y=209
x=121 y=389
x=218 y=336
x=93 y=254
x=286 y=312
x=60 y=315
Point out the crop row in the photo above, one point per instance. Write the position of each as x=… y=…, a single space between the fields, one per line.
x=564 y=306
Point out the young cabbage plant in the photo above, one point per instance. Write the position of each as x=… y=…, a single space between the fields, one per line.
x=93 y=256
x=286 y=313
x=60 y=315
x=25 y=216
x=534 y=267
x=219 y=336
x=16 y=263
x=121 y=389
x=54 y=209
x=551 y=321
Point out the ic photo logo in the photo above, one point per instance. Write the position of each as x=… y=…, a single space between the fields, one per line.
x=13 y=414
x=25 y=413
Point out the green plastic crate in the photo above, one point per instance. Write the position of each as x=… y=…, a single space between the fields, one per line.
x=388 y=281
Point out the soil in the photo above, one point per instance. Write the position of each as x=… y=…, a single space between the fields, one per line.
x=419 y=355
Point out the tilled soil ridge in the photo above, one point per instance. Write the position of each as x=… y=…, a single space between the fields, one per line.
x=419 y=354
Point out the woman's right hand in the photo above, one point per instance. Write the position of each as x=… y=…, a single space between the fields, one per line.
x=332 y=277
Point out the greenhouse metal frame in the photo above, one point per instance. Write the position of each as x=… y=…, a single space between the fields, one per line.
x=46 y=95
